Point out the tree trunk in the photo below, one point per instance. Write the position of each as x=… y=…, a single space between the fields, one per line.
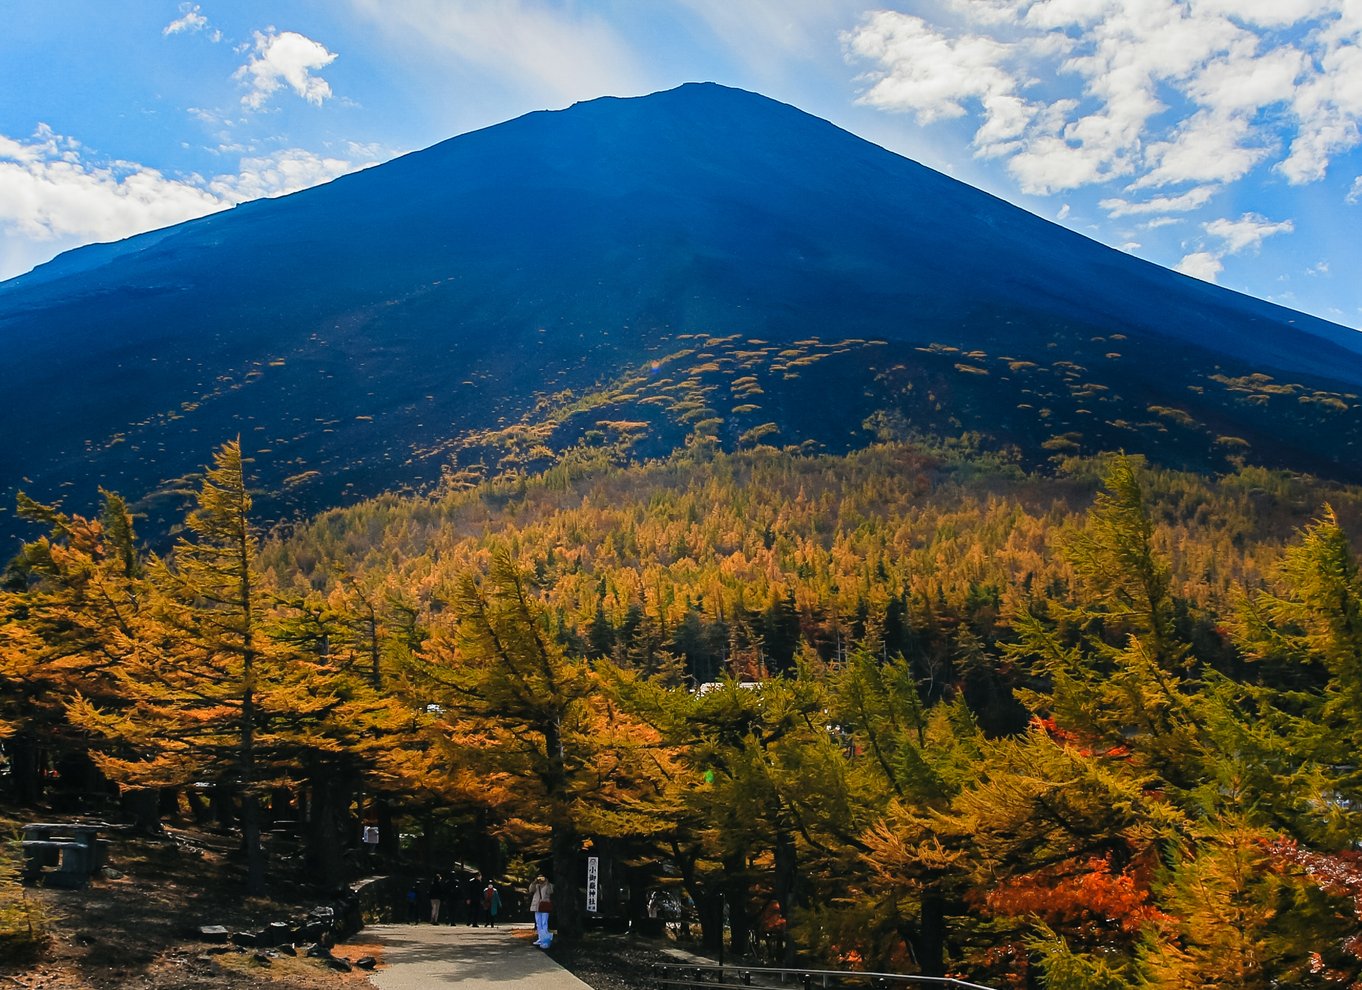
x=224 y=806
x=25 y=781
x=324 y=851
x=78 y=780
x=280 y=808
x=735 y=890
x=786 y=888
x=143 y=806
x=250 y=837
x=200 y=809
x=931 y=947
x=639 y=880
x=565 y=852
x=711 y=912
x=169 y=803
x=700 y=896
x=388 y=846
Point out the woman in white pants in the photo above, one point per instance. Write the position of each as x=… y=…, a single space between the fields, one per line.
x=541 y=903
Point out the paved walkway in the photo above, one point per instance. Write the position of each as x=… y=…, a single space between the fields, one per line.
x=417 y=957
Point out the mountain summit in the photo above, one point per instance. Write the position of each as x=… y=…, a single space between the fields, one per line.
x=357 y=334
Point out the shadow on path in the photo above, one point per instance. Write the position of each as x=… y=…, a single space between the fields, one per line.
x=417 y=956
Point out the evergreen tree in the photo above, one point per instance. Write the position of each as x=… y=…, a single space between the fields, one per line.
x=532 y=730
x=195 y=680
x=70 y=616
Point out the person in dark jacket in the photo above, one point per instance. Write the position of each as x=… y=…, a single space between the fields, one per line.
x=491 y=904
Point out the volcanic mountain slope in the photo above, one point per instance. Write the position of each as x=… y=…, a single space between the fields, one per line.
x=635 y=273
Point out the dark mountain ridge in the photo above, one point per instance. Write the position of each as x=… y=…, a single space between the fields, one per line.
x=357 y=333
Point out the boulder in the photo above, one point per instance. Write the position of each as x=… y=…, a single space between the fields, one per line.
x=274 y=933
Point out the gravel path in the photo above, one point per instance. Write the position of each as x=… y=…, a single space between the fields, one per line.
x=422 y=957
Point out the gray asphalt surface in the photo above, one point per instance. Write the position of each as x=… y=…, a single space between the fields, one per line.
x=421 y=957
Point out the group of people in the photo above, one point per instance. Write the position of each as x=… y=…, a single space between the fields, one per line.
x=452 y=900
x=449 y=899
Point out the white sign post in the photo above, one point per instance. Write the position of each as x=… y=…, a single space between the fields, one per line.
x=593 y=873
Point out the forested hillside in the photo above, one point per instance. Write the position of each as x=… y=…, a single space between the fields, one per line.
x=1092 y=725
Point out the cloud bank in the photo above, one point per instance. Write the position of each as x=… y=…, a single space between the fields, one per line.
x=53 y=196
x=1173 y=98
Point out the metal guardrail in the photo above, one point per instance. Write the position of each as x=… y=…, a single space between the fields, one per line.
x=690 y=975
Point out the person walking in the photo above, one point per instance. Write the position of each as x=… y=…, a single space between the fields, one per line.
x=491 y=904
x=475 y=900
x=369 y=839
x=437 y=895
x=541 y=903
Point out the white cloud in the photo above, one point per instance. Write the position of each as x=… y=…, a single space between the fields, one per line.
x=1207 y=147
x=1200 y=264
x=1054 y=164
x=1161 y=92
x=285 y=58
x=1235 y=236
x=53 y=197
x=1268 y=13
x=191 y=20
x=1249 y=231
x=1355 y=193
x=281 y=173
x=1193 y=199
x=925 y=72
x=1329 y=103
x=1063 y=213
x=48 y=192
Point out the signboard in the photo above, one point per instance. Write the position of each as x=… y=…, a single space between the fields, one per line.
x=593 y=876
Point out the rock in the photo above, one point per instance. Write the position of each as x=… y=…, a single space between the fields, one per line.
x=212 y=933
x=274 y=933
x=261 y=959
x=243 y=938
x=287 y=950
x=366 y=962
x=318 y=951
x=339 y=965
x=109 y=873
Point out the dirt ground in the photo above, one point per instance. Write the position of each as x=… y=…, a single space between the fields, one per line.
x=137 y=928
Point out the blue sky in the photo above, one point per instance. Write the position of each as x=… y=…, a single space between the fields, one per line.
x=1220 y=137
